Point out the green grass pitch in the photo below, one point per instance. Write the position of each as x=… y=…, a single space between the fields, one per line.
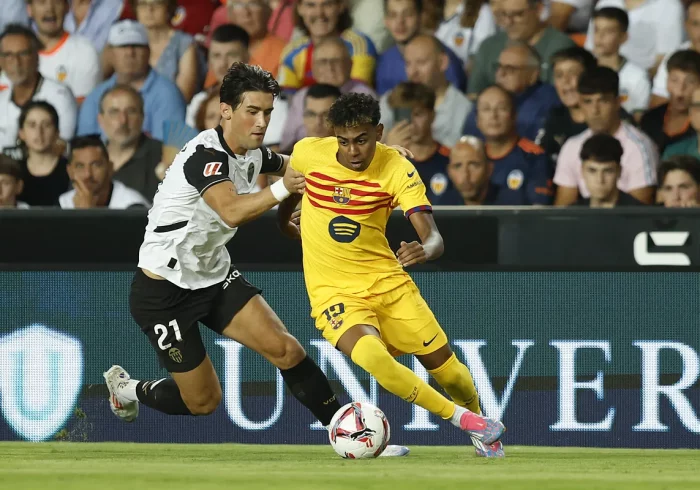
x=104 y=466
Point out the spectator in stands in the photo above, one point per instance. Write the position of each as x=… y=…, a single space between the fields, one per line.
x=659 y=90
x=281 y=23
x=521 y=23
x=91 y=173
x=519 y=73
x=521 y=171
x=229 y=44
x=173 y=53
x=610 y=26
x=688 y=145
x=679 y=178
x=403 y=22
x=92 y=19
x=318 y=20
x=600 y=102
x=254 y=16
x=465 y=25
x=209 y=113
x=163 y=101
x=19 y=52
x=318 y=101
x=331 y=65
x=10 y=184
x=670 y=122
x=133 y=154
x=191 y=16
x=470 y=175
x=570 y=15
x=426 y=63
x=566 y=120
x=654 y=30
x=43 y=167
x=601 y=157
x=413 y=105
x=13 y=12
x=69 y=59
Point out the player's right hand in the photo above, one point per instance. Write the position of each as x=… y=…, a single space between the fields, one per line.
x=294 y=181
x=293 y=227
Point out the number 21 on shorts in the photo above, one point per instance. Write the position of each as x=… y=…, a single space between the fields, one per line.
x=332 y=313
x=162 y=332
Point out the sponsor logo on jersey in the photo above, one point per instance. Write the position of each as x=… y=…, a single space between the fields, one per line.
x=515 y=179
x=344 y=230
x=414 y=184
x=212 y=168
x=231 y=277
x=341 y=195
x=438 y=183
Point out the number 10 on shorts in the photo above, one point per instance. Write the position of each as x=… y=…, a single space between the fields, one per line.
x=162 y=332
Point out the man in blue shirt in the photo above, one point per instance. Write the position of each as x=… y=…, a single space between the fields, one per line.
x=522 y=173
x=403 y=20
x=162 y=99
x=519 y=72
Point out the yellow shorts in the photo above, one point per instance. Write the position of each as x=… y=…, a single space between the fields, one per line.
x=401 y=316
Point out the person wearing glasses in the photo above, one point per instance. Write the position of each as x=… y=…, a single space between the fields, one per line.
x=521 y=21
x=19 y=57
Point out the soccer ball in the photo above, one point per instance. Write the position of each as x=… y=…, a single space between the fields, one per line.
x=359 y=430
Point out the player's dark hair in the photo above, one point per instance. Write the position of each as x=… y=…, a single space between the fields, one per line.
x=230 y=33
x=87 y=141
x=344 y=20
x=599 y=80
x=322 y=91
x=411 y=94
x=10 y=167
x=352 y=110
x=509 y=96
x=602 y=148
x=418 y=4
x=613 y=13
x=686 y=60
x=242 y=78
x=575 y=53
x=122 y=88
x=686 y=163
x=38 y=104
x=20 y=30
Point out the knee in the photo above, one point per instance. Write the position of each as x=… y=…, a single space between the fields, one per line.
x=371 y=354
x=287 y=352
x=205 y=402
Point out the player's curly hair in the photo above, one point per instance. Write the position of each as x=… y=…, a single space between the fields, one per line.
x=352 y=110
x=242 y=78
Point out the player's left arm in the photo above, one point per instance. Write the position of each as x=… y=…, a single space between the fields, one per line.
x=273 y=163
x=430 y=246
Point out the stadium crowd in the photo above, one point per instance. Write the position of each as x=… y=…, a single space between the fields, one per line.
x=502 y=102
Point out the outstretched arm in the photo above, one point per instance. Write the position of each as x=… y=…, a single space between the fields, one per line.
x=431 y=245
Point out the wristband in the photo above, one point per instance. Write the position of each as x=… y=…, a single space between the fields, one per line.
x=280 y=191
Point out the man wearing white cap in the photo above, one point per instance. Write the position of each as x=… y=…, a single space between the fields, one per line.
x=162 y=99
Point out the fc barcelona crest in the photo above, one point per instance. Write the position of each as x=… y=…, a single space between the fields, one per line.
x=341 y=195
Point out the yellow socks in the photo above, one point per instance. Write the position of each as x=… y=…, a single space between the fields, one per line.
x=457 y=381
x=371 y=354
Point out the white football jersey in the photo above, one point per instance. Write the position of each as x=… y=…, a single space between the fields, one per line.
x=74 y=63
x=185 y=240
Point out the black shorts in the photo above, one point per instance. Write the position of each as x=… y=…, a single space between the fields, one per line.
x=168 y=315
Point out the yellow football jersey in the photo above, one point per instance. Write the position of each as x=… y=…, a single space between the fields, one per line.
x=344 y=215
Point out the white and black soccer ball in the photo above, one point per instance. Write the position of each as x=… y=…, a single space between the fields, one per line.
x=359 y=430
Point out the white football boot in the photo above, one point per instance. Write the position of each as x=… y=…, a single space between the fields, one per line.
x=394 y=451
x=116 y=379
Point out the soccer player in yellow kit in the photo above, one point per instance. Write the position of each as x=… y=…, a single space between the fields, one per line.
x=362 y=299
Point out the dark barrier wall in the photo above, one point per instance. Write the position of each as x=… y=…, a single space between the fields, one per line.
x=565 y=358
x=580 y=329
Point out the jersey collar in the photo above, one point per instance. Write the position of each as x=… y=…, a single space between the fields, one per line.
x=224 y=145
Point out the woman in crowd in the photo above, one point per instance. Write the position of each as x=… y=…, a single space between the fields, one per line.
x=173 y=53
x=43 y=167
